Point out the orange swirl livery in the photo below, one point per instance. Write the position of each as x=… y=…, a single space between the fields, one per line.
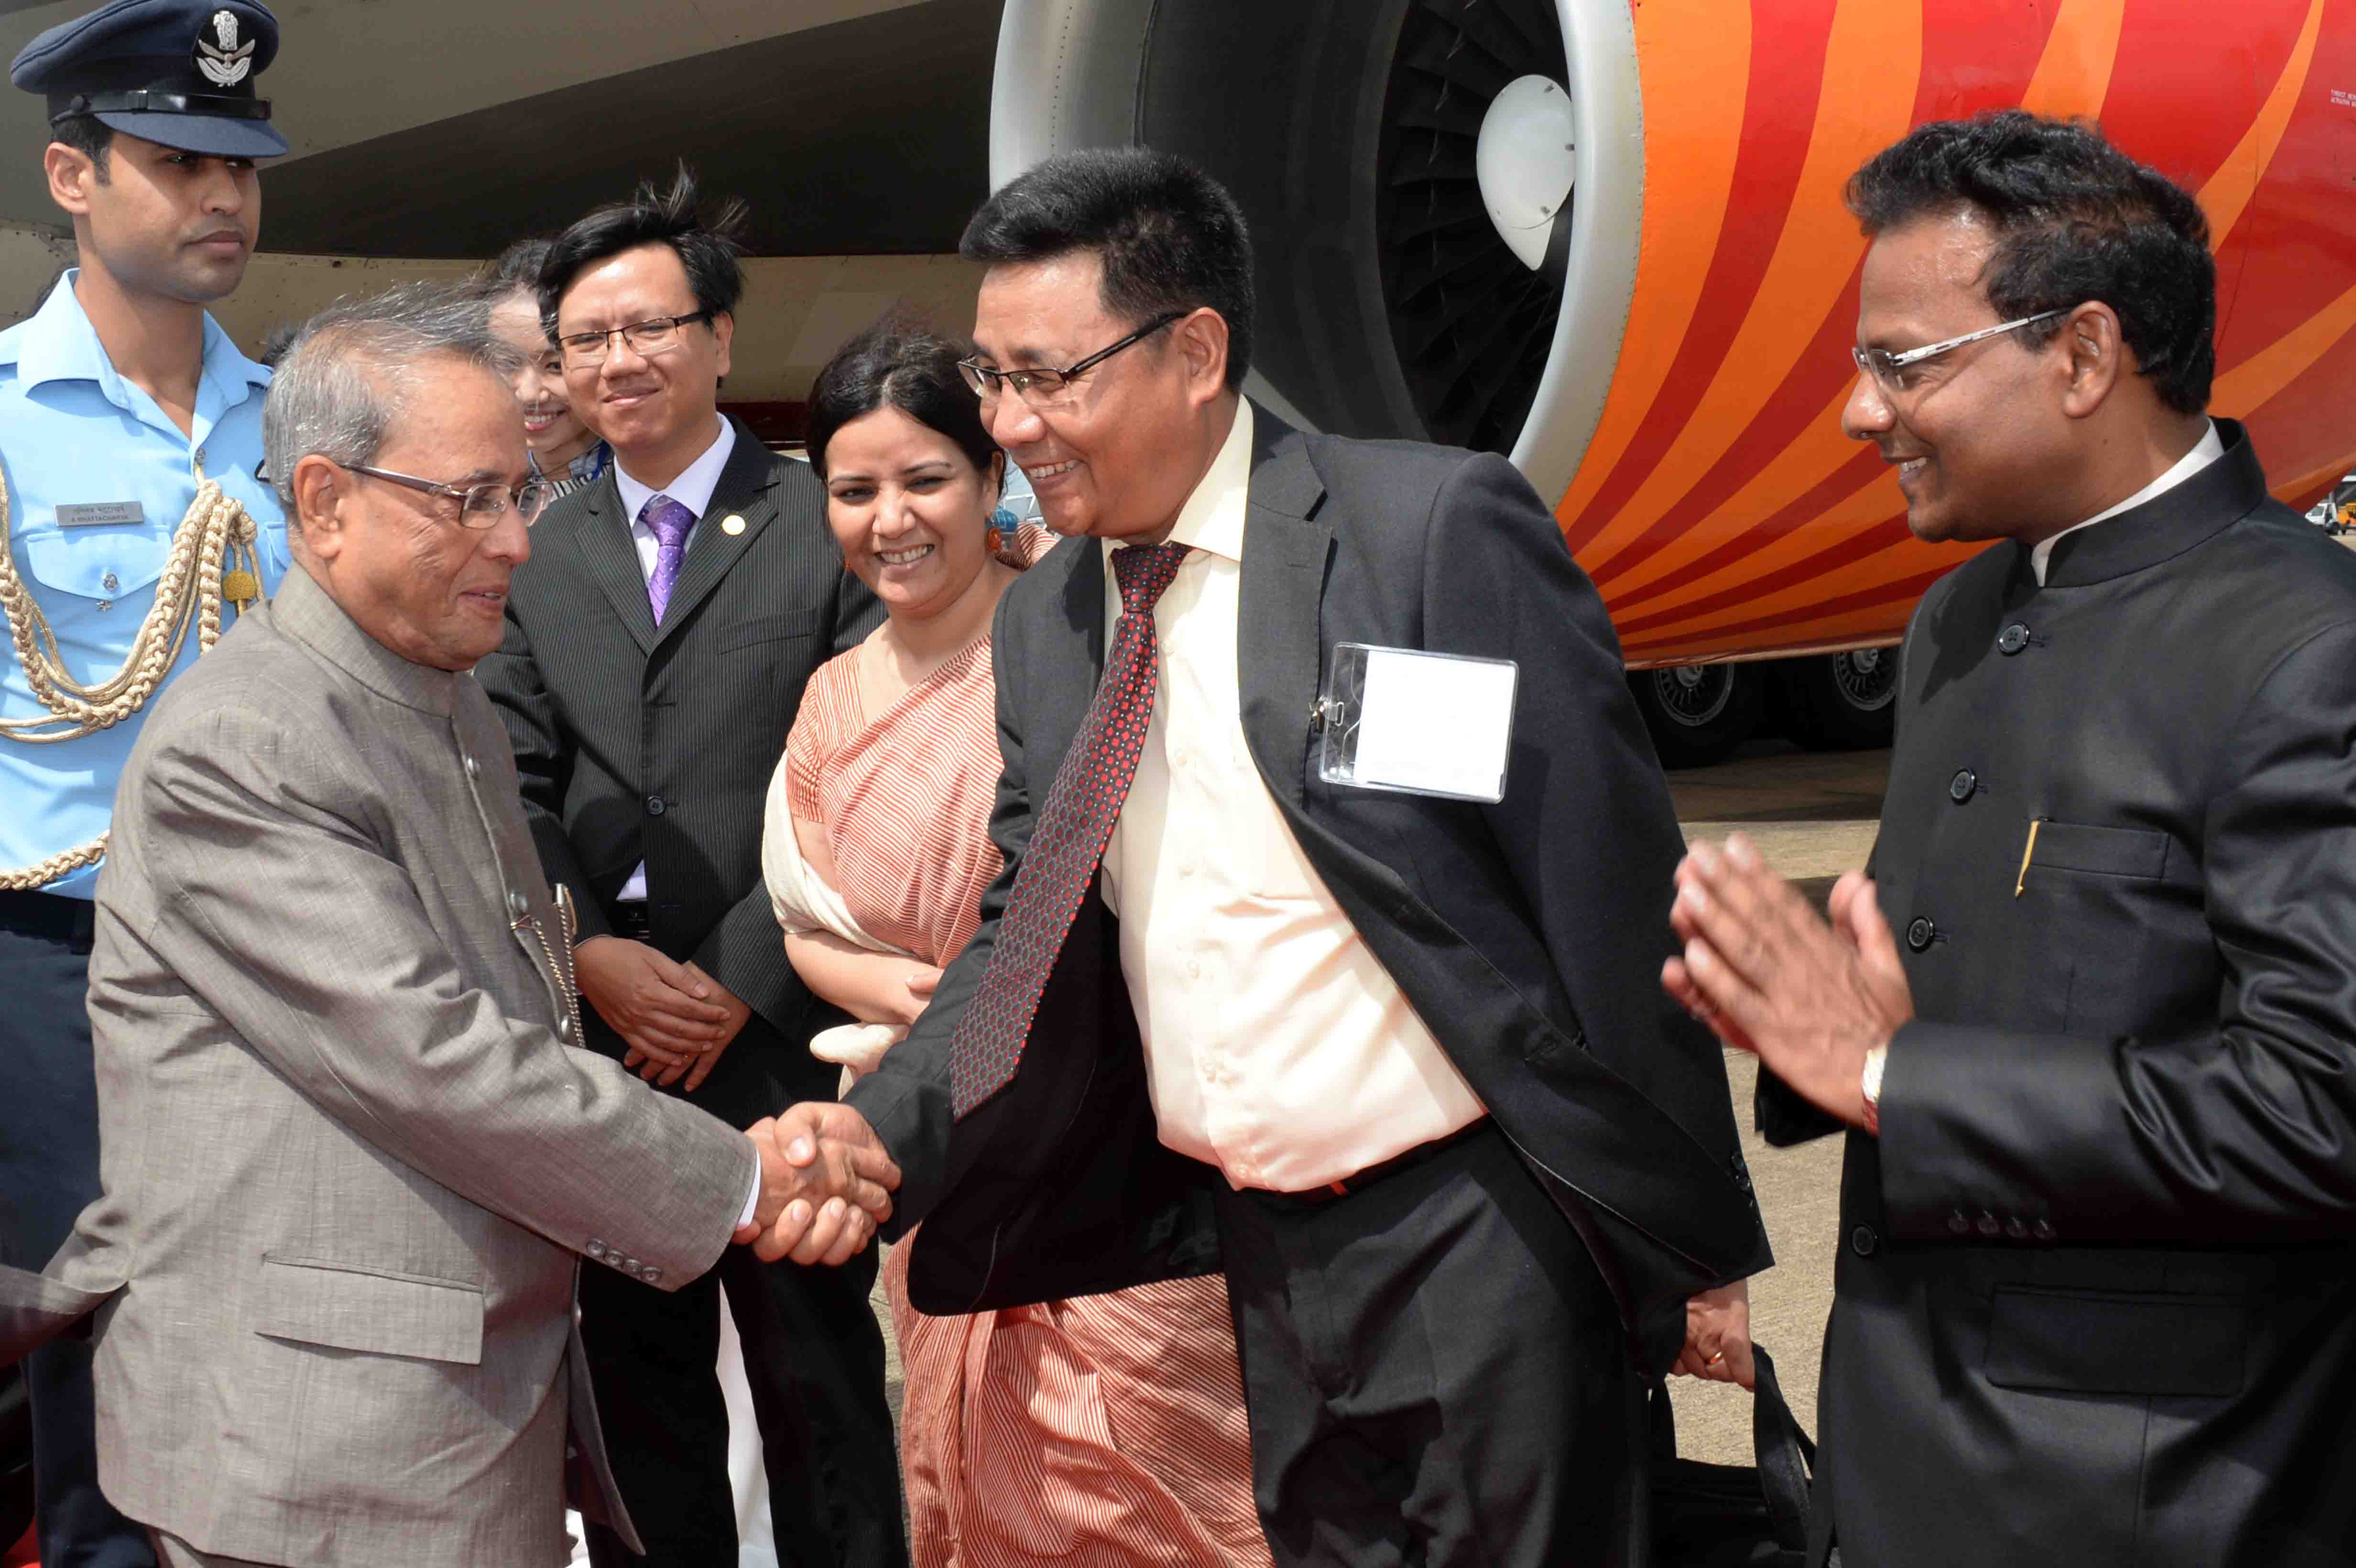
x=1717 y=504
x=1606 y=238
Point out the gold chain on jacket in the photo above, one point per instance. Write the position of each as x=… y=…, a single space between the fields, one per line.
x=190 y=592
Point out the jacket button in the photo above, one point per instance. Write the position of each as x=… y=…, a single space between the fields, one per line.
x=1989 y=1225
x=2016 y=1228
x=1958 y=1222
x=518 y=905
x=651 y=1273
x=2012 y=639
x=595 y=1250
x=110 y=582
x=2042 y=1229
x=1919 y=935
x=1963 y=786
x=1862 y=1241
x=655 y=806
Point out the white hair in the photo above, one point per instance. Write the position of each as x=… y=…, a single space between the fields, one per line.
x=349 y=373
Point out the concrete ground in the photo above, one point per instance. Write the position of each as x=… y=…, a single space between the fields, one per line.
x=1812 y=816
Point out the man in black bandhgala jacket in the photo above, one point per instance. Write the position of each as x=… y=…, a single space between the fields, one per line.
x=2091 y=1024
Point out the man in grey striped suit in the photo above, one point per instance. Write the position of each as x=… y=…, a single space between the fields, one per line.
x=351 y=1162
x=656 y=651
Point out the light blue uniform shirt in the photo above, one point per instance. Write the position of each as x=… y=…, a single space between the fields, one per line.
x=73 y=432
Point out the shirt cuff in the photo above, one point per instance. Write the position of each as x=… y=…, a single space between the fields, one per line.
x=752 y=1199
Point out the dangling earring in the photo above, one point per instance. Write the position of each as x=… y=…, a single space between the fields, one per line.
x=993 y=538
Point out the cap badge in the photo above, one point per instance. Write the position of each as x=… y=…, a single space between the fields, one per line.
x=221 y=58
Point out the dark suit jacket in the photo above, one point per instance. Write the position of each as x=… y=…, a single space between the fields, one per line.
x=633 y=742
x=1529 y=935
x=2096 y=1300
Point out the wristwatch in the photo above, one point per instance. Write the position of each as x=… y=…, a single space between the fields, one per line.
x=1869 y=1083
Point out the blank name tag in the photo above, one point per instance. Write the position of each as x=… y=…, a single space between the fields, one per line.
x=95 y=514
x=1399 y=719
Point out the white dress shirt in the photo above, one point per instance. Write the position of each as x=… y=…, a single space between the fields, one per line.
x=693 y=489
x=2206 y=451
x=1276 y=1047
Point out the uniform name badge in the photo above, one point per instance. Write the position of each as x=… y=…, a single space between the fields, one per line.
x=1417 y=724
x=99 y=514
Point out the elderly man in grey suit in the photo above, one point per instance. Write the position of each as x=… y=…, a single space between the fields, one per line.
x=351 y=1161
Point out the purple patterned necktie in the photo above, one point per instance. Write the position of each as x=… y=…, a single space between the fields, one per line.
x=1067 y=840
x=669 y=520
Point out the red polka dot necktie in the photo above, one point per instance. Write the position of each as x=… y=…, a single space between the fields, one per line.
x=1068 y=839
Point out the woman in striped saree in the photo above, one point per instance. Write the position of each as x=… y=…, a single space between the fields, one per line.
x=1104 y=1431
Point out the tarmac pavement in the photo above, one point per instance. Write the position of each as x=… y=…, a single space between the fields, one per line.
x=1812 y=816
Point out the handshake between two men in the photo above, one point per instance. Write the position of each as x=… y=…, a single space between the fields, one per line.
x=826 y=1179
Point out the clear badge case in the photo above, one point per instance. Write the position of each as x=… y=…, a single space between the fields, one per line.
x=1418 y=723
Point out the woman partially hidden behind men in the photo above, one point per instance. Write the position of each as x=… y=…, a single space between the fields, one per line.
x=1101 y=1431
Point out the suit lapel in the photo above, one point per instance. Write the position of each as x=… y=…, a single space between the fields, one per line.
x=747 y=489
x=612 y=555
x=1277 y=621
x=1070 y=660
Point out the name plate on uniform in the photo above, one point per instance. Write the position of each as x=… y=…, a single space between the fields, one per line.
x=1420 y=723
x=93 y=514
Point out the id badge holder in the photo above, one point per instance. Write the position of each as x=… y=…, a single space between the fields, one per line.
x=1417 y=724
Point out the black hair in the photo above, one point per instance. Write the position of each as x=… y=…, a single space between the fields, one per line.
x=2075 y=219
x=905 y=364
x=86 y=134
x=1170 y=236
x=516 y=269
x=279 y=339
x=707 y=243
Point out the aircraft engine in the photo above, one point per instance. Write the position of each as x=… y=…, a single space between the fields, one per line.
x=1380 y=148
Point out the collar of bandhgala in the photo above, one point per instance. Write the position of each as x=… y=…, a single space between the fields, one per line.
x=2166 y=526
x=303 y=610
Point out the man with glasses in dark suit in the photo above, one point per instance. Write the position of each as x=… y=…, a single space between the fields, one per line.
x=656 y=652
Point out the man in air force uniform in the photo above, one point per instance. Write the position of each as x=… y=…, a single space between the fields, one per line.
x=136 y=528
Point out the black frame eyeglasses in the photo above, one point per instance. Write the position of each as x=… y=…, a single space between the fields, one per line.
x=656 y=335
x=480 y=506
x=1044 y=387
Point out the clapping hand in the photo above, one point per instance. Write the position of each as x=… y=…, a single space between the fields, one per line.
x=1770 y=977
x=825 y=1184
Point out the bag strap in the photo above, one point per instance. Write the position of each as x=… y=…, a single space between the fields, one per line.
x=1785 y=1455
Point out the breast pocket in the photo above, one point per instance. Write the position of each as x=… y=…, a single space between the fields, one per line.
x=103 y=564
x=2120 y=906
x=763 y=629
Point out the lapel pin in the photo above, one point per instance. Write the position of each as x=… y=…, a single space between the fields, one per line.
x=731 y=525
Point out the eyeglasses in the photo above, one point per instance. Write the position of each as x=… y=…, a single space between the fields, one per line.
x=1884 y=366
x=483 y=506
x=646 y=338
x=1045 y=388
